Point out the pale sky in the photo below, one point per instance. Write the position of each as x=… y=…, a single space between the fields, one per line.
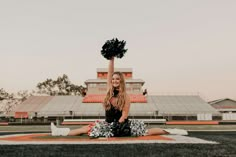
x=175 y=46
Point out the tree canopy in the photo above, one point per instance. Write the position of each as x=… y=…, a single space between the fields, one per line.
x=8 y=101
x=4 y=94
x=60 y=86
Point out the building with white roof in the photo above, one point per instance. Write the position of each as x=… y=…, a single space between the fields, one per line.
x=170 y=107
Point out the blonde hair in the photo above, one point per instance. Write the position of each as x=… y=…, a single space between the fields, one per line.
x=122 y=96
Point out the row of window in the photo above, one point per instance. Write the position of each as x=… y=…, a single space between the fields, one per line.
x=105 y=74
x=128 y=89
x=102 y=84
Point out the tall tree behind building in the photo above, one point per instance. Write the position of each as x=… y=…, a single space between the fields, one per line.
x=60 y=86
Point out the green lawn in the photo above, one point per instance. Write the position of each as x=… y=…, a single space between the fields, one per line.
x=226 y=147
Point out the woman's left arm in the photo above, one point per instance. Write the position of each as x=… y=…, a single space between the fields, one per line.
x=125 y=111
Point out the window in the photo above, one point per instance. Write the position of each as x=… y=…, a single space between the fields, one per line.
x=92 y=85
x=136 y=89
x=102 y=89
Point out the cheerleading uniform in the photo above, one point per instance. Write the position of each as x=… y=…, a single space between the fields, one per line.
x=104 y=128
x=113 y=114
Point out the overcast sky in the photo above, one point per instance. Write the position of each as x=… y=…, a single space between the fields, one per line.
x=175 y=46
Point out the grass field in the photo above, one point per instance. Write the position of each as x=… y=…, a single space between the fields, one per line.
x=226 y=146
x=45 y=128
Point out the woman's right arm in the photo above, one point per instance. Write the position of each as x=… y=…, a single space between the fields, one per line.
x=110 y=72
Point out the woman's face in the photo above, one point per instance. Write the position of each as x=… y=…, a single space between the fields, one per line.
x=115 y=81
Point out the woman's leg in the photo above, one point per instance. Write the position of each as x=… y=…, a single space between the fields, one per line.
x=159 y=131
x=80 y=131
x=55 y=131
x=156 y=131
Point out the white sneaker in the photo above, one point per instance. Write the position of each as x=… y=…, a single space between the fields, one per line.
x=176 y=131
x=59 y=131
x=53 y=129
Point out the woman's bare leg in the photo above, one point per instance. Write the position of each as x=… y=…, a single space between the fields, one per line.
x=156 y=131
x=159 y=131
x=80 y=131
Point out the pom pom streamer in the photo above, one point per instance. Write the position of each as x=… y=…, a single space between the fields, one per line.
x=138 y=128
x=113 y=48
x=100 y=129
x=104 y=129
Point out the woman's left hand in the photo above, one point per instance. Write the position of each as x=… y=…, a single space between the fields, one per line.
x=121 y=120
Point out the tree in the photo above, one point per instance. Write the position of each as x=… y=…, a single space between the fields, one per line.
x=8 y=101
x=60 y=86
x=4 y=94
x=113 y=48
x=24 y=94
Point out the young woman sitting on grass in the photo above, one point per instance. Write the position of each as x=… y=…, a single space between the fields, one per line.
x=116 y=105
